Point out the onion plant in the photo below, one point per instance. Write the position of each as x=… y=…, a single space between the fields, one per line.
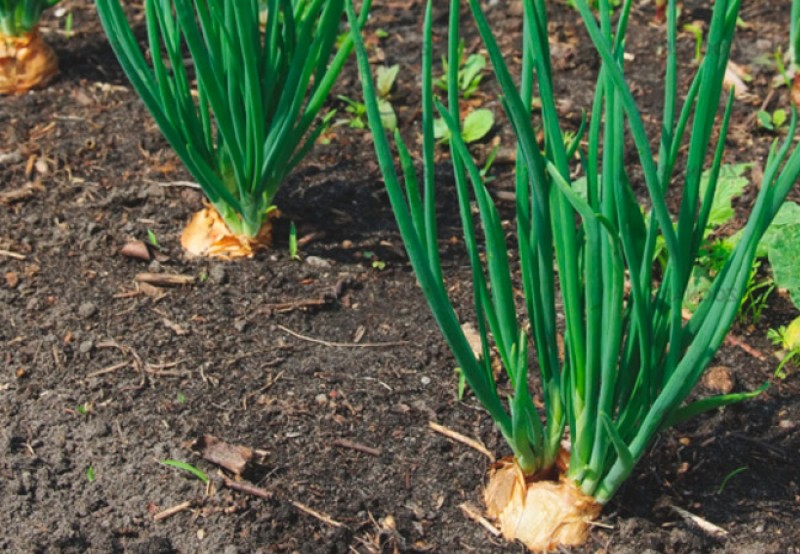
x=587 y=256
x=246 y=111
x=26 y=60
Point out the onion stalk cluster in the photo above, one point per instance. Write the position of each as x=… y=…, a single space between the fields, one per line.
x=623 y=363
x=244 y=111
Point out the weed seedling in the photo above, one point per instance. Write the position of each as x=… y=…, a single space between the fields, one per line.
x=776 y=122
x=189 y=468
x=293 y=248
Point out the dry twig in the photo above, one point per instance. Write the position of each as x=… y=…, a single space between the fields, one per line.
x=164 y=279
x=703 y=524
x=247 y=489
x=313 y=513
x=10 y=254
x=474 y=514
x=342 y=344
x=169 y=512
x=463 y=439
x=344 y=443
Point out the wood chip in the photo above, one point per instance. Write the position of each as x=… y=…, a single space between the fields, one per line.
x=232 y=457
x=156 y=293
x=22 y=193
x=136 y=249
x=165 y=279
x=12 y=279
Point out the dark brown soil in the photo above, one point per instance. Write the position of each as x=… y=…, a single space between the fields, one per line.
x=99 y=377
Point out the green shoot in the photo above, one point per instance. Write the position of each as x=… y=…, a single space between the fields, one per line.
x=488 y=164
x=461 y=383
x=375 y=261
x=697 y=32
x=189 y=468
x=68 y=26
x=776 y=121
x=18 y=17
x=470 y=72
x=152 y=238
x=386 y=77
x=788 y=338
x=357 y=111
x=293 y=248
x=246 y=111
x=730 y=476
x=90 y=476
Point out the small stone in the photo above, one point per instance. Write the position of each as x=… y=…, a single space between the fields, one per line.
x=87 y=310
x=426 y=380
x=12 y=279
x=719 y=379
x=217 y=275
x=154 y=267
x=192 y=198
x=240 y=325
x=155 y=192
x=321 y=399
x=316 y=261
x=86 y=347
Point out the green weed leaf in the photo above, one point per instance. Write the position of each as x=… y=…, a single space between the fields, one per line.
x=388 y=115
x=765 y=120
x=730 y=184
x=385 y=78
x=784 y=257
x=477 y=125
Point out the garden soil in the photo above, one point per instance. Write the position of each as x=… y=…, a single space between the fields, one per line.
x=330 y=368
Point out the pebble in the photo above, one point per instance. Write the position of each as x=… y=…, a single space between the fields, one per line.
x=240 y=325
x=86 y=347
x=316 y=261
x=155 y=192
x=87 y=310
x=217 y=275
x=719 y=379
x=154 y=267
x=321 y=399
x=426 y=380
